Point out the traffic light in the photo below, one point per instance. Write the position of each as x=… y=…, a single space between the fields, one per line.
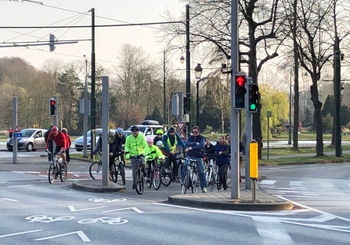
x=52 y=107
x=240 y=81
x=254 y=98
x=185 y=105
x=52 y=42
x=10 y=132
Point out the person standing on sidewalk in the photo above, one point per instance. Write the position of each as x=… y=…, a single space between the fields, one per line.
x=50 y=144
x=68 y=142
x=222 y=151
x=135 y=145
x=195 y=148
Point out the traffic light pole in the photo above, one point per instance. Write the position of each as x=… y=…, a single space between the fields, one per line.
x=55 y=117
x=248 y=135
x=234 y=113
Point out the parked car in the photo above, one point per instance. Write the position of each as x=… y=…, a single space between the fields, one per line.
x=79 y=142
x=147 y=127
x=31 y=140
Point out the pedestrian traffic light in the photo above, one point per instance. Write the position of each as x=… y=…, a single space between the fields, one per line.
x=254 y=98
x=52 y=107
x=185 y=105
x=240 y=90
x=52 y=42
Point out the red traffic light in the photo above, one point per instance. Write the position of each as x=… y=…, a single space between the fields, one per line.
x=53 y=102
x=10 y=130
x=240 y=80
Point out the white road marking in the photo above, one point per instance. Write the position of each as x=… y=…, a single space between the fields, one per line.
x=72 y=208
x=270 y=229
x=19 y=233
x=267 y=182
x=8 y=199
x=120 y=209
x=81 y=234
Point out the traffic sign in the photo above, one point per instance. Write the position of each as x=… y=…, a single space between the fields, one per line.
x=17 y=135
x=16 y=129
x=181 y=125
x=183 y=136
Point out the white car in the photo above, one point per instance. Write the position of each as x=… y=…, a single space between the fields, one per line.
x=79 y=142
x=147 y=127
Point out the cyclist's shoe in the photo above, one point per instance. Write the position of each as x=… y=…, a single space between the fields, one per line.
x=204 y=189
x=225 y=188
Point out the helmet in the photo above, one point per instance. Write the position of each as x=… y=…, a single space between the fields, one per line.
x=159 y=131
x=120 y=131
x=54 y=129
x=149 y=140
x=159 y=143
x=134 y=127
x=171 y=130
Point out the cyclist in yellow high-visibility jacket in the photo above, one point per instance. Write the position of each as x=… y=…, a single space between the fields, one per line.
x=152 y=154
x=135 y=145
x=170 y=142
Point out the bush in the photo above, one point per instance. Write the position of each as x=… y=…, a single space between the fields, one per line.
x=208 y=129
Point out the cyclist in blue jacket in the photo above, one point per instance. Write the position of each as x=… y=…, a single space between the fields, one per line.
x=195 y=148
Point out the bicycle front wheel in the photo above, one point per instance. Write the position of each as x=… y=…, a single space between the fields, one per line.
x=95 y=170
x=195 y=183
x=113 y=173
x=63 y=173
x=51 y=173
x=157 y=182
x=228 y=177
x=139 y=183
x=122 y=172
x=187 y=183
x=165 y=174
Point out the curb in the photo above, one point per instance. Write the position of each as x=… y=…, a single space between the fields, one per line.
x=96 y=186
x=234 y=205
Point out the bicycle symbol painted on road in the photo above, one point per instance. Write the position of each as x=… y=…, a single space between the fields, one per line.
x=109 y=220
x=47 y=219
x=103 y=200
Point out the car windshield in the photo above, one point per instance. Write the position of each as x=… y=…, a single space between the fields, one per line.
x=98 y=132
x=27 y=132
x=141 y=128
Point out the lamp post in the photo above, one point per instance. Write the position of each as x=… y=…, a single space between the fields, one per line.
x=182 y=60
x=198 y=73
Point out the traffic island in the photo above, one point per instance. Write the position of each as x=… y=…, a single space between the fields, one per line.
x=96 y=186
x=223 y=200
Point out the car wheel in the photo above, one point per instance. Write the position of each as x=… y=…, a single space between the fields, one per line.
x=29 y=147
x=78 y=149
x=9 y=149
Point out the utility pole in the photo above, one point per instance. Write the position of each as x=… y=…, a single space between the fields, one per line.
x=93 y=81
x=165 y=121
x=337 y=58
x=188 y=67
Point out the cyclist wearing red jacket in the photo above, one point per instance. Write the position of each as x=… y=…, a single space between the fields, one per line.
x=60 y=140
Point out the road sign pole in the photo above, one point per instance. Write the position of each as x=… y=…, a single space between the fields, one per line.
x=15 y=123
x=105 y=131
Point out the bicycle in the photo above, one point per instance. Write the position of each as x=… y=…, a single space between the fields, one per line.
x=155 y=178
x=57 y=167
x=119 y=168
x=139 y=181
x=95 y=169
x=191 y=178
x=211 y=172
x=166 y=171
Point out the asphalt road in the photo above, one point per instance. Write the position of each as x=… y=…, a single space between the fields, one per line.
x=33 y=211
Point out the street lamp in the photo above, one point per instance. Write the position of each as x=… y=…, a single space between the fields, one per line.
x=198 y=74
x=182 y=60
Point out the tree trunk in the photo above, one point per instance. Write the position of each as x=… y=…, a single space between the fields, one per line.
x=318 y=118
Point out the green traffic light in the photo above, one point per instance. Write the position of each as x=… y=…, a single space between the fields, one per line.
x=252 y=107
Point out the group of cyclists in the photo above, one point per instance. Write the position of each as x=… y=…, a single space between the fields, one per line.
x=164 y=147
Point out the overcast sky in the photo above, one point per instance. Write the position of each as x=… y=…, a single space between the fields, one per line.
x=76 y=12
